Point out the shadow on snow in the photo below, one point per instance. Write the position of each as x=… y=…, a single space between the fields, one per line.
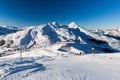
x=25 y=65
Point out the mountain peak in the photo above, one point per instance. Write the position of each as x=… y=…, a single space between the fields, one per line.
x=73 y=25
x=53 y=24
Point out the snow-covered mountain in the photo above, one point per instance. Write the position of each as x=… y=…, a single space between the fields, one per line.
x=111 y=33
x=10 y=27
x=48 y=52
x=60 y=38
x=5 y=29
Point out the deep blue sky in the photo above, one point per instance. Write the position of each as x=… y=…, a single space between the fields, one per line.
x=87 y=13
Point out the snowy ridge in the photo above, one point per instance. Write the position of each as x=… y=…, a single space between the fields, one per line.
x=111 y=32
x=10 y=27
x=47 y=35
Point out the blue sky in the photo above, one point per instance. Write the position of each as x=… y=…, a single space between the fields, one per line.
x=98 y=14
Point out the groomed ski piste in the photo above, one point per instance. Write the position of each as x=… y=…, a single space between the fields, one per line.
x=41 y=64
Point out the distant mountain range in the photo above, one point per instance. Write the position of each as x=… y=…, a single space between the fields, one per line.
x=64 y=36
x=6 y=29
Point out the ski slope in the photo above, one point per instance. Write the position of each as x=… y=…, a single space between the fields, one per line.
x=46 y=65
x=46 y=52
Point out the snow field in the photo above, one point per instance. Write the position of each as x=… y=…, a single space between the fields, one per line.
x=71 y=67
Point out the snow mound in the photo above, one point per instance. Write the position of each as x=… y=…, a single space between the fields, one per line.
x=73 y=25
